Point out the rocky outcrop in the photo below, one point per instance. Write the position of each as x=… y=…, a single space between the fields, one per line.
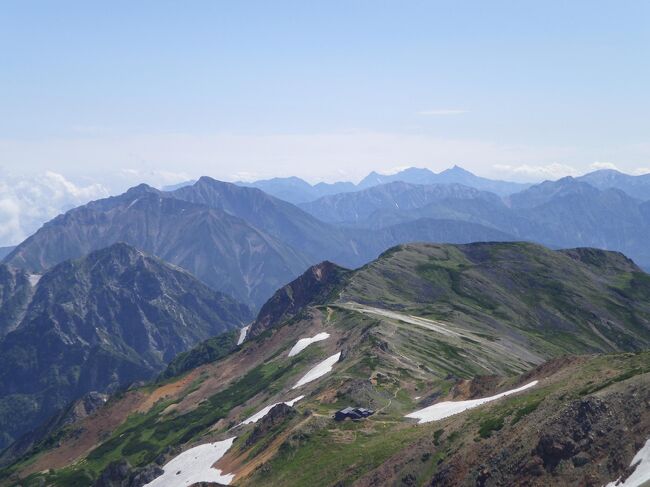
x=102 y=322
x=121 y=474
x=15 y=292
x=276 y=416
x=313 y=287
x=589 y=442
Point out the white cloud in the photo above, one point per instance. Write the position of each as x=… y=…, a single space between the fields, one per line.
x=28 y=202
x=641 y=170
x=603 y=165
x=154 y=177
x=392 y=170
x=245 y=176
x=548 y=171
x=442 y=111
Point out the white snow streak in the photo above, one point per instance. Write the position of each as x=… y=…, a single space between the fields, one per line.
x=260 y=414
x=319 y=370
x=242 y=334
x=641 y=474
x=195 y=465
x=305 y=342
x=133 y=203
x=449 y=408
x=33 y=279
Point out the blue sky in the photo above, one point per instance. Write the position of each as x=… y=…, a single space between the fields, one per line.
x=114 y=91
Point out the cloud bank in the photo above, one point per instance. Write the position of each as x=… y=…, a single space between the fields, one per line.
x=533 y=172
x=27 y=202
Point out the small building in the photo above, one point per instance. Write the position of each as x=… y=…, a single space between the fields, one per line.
x=352 y=413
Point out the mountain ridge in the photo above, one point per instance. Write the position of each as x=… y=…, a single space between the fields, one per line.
x=421 y=325
x=104 y=321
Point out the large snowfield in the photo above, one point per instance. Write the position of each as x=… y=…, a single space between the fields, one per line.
x=449 y=408
x=260 y=414
x=305 y=342
x=195 y=465
x=319 y=370
x=641 y=473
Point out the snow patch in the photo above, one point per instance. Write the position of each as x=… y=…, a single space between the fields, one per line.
x=449 y=408
x=33 y=279
x=195 y=465
x=133 y=203
x=641 y=474
x=242 y=334
x=319 y=370
x=305 y=342
x=260 y=414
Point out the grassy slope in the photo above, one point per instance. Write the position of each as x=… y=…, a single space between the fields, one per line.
x=387 y=363
x=553 y=301
x=323 y=453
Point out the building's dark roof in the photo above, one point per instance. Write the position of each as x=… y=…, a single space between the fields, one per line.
x=353 y=413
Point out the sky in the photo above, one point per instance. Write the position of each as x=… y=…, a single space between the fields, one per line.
x=114 y=93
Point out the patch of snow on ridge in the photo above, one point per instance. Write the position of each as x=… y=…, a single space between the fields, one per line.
x=305 y=342
x=445 y=409
x=641 y=474
x=33 y=279
x=260 y=414
x=319 y=370
x=242 y=334
x=195 y=465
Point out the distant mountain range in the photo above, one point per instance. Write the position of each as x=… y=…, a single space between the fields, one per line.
x=98 y=323
x=155 y=283
x=296 y=190
x=240 y=241
x=221 y=249
x=635 y=186
x=564 y=213
x=359 y=207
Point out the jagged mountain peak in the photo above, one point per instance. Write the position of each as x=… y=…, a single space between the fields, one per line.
x=456 y=169
x=141 y=189
x=315 y=285
x=104 y=321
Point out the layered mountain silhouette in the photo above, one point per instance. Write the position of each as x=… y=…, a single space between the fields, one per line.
x=296 y=190
x=238 y=240
x=101 y=322
x=636 y=186
x=220 y=249
x=361 y=207
x=563 y=213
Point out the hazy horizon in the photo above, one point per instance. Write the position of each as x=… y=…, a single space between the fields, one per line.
x=327 y=91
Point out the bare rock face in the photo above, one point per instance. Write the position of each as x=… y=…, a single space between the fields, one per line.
x=572 y=433
x=107 y=320
x=84 y=407
x=588 y=442
x=121 y=474
x=15 y=292
x=313 y=287
x=277 y=415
